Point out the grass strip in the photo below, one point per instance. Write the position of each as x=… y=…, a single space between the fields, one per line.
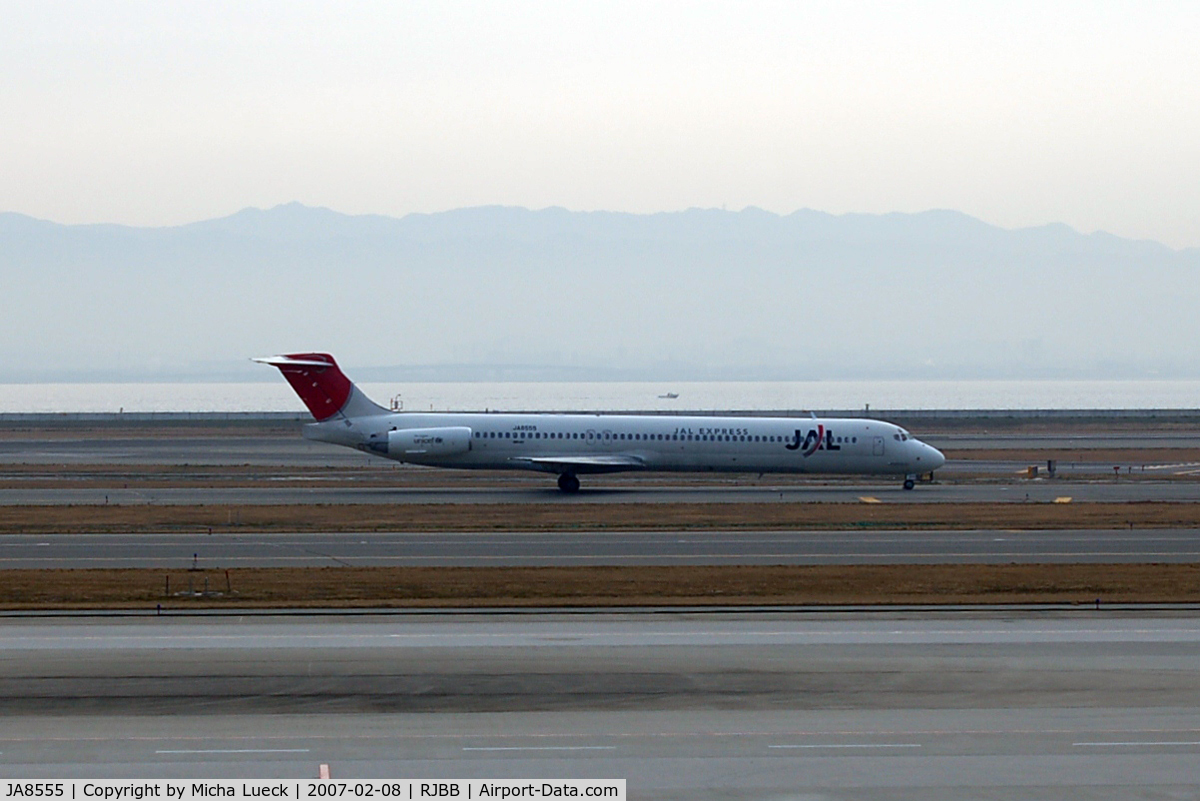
x=349 y=587
x=573 y=516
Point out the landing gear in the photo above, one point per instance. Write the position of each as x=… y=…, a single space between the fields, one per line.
x=910 y=481
x=568 y=483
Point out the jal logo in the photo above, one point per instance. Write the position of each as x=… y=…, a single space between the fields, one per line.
x=817 y=439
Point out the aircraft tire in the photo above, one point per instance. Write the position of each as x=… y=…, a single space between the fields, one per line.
x=568 y=483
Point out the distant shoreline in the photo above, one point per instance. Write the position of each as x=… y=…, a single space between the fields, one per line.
x=1176 y=416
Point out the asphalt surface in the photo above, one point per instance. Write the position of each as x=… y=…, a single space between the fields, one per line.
x=1133 y=440
x=601 y=490
x=181 y=449
x=891 y=706
x=214 y=551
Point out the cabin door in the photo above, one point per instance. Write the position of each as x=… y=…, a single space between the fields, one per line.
x=877 y=447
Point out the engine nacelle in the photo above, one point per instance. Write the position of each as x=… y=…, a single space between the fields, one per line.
x=423 y=443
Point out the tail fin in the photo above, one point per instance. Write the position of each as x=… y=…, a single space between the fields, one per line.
x=322 y=386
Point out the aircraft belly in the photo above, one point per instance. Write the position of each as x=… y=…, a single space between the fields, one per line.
x=681 y=460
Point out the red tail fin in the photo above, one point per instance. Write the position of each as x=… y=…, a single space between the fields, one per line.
x=316 y=378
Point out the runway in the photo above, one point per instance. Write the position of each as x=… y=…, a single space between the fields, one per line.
x=896 y=706
x=222 y=550
x=605 y=490
x=172 y=446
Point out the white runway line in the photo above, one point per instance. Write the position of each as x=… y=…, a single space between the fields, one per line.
x=1147 y=744
x=239 y=751
x=544 y=748
x=851 y=745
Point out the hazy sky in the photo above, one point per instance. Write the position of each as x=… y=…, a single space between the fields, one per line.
x=154 y=113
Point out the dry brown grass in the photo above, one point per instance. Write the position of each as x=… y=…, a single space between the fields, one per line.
x=594 y=516
x=1065 y=456
x=599 y=586
x=571 y=517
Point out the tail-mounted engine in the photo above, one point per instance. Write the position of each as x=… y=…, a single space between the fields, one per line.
x=423 y=443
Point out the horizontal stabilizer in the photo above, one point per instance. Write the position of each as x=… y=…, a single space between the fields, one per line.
x=290 y=361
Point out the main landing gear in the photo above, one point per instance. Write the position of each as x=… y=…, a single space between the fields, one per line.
x=568 y=483
x=910 y=481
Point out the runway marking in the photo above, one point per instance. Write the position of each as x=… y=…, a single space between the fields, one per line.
x=869 y=499
x=851 y=745
x=1147 y=744
x=237 y=751
x=543 y=748
x=1063 y=499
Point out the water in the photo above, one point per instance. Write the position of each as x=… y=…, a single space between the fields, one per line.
x=618 y=396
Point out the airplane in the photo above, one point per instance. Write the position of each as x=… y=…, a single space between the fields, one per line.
x=572 y=445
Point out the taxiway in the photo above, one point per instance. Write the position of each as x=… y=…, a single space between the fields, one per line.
x=225 y=550
x=892 y=705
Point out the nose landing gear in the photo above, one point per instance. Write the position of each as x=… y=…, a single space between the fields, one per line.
x=910 y=481
x=568 y=483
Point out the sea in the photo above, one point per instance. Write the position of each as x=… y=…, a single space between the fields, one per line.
x=277 y=396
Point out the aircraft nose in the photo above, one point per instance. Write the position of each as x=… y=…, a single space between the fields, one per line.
x=928 y=458
x=935 y=457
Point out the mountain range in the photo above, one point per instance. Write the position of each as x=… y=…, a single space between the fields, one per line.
x=502 y=293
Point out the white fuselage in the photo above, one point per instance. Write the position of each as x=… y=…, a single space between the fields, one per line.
x=579 y=443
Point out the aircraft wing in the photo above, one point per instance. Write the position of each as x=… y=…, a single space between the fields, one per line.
x=579 y=464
